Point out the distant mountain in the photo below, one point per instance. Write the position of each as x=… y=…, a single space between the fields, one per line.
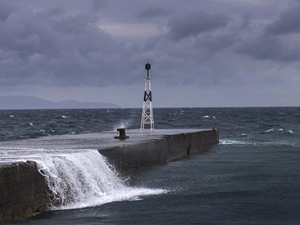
x=31 y=102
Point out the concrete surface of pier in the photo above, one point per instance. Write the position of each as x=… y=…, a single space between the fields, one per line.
x=23 y=191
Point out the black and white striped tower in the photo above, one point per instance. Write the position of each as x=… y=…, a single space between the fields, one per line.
x=147 y=113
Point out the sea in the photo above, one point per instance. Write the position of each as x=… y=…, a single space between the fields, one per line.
x=251 y=177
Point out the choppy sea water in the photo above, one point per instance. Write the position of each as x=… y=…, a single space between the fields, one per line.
x=251 y=177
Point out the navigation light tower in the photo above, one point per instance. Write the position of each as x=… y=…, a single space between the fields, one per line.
x=147 y=113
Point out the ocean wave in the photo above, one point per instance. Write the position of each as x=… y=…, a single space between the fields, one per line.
x=232 y=142
x=269 y=131
x=78 y=178
x=281 y=130
x=256 y=143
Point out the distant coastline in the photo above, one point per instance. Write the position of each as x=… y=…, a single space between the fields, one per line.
x=31 y=102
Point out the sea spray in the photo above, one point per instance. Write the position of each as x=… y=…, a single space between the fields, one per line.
x=122 y=124
x=84 y=179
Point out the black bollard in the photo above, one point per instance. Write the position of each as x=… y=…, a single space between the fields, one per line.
x=122 y=134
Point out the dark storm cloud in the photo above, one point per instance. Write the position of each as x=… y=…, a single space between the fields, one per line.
x=264 y=47
x=217 y=42
x=194 y=24
x=288 y=22
x=150 y=13
x=64 y=46
x=270 y=44
x=97 y=5
x=245 y=21
x=56 y=48
x=5 y=11
x=267 y=47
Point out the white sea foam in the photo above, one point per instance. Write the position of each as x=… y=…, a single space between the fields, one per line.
x=205 y=117
x=289 y=132
x=85 y=179
x=78 y=178
x=253 y=143
x=232 y=142
x=268 y=131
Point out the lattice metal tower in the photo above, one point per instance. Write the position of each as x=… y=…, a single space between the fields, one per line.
x=147 y=113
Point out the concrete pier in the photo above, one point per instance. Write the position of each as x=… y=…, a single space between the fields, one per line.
x=23 y=190
x=159 y=146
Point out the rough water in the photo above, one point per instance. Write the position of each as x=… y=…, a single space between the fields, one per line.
x=251 y=177
x=84 y=179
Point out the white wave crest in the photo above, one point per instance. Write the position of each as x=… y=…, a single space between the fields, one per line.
x=269 y=131
x=85 y=179
x=232 y=142
x=253 y=143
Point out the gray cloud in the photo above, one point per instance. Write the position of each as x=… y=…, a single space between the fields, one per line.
x=150 y=13
x=288 y=22
x=97 y=5
x=246 y=20
x=267 y=47
x=216 y=42
x=5 y=11
x=56 y=48
x=266 y=44
x=194 y=24
x=70 y=44
x=264 y=47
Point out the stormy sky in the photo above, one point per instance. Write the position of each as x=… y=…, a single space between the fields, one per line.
x=204 y=53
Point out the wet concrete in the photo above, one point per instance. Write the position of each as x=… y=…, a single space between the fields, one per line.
x=158 y=146
x=23 y=191
x=143 y=148
x=101 y=140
